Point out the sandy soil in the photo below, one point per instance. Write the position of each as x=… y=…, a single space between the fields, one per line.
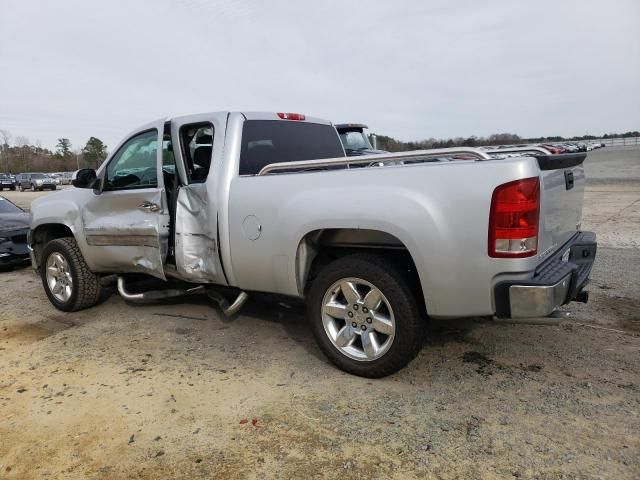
x=174 y=390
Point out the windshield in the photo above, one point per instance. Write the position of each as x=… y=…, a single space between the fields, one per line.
x=37 y=175
x=7 y=207
x=355 y=140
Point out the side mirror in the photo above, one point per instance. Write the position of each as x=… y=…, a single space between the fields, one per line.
x=84 y=178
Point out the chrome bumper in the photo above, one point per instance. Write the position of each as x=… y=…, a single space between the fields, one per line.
x=556 y=281
x=537 y=300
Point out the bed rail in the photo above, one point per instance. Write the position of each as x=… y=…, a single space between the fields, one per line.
x=369 y=159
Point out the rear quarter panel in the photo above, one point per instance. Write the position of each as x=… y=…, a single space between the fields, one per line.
x=438 y=210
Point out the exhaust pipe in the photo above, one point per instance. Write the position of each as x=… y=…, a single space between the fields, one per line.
x=582 y=297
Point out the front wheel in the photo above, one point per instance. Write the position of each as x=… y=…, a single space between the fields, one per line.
x=364 y=316
x=66 y=278
x=33 y=187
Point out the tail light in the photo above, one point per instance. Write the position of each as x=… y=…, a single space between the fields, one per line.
x=291 y=116
x=514 y=218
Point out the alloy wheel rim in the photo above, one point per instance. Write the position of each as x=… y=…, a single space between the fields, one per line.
x=59 y=279
x=358 y=319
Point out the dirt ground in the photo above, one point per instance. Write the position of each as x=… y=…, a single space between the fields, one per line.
x=174 y=390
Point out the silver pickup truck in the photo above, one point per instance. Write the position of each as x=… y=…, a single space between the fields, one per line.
x=268 y=202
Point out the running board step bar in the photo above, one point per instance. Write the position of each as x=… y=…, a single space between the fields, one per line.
x=154 y=294
x=227 y=309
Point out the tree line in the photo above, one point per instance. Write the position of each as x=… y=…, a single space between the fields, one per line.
x=392 y=145
x=20 y=155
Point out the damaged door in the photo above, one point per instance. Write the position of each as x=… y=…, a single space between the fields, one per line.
x=126 y=222
x=201 y=141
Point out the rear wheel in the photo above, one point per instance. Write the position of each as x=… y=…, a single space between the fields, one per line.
x=21 y=188
x=364 y=316
x=33 y=187
x=66 y=278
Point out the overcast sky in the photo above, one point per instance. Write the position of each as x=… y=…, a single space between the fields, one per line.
x=409 y=69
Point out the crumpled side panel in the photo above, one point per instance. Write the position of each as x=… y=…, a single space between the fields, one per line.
x=196 y=251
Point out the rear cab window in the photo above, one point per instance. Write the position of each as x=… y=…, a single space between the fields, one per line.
x=274 y=141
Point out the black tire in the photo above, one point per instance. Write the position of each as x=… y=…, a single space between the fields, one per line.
x=86 y=289
x=13 y=189
x=410 y=327
x=33 y=187
x=20 y=188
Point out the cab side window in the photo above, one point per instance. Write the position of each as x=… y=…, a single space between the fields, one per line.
x=135 y=164
x=197 y=148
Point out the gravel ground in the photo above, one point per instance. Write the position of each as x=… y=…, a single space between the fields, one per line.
x=174 y=390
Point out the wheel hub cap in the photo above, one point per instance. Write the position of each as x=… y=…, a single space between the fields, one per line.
x=59 y=279
x=358 y=319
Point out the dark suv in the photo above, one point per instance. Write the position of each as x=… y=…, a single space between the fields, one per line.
x=34 y=181
x=6 y=181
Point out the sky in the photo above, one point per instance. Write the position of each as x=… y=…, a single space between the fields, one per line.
x=410 y=69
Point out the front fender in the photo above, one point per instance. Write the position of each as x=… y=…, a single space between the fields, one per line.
x=61 y=209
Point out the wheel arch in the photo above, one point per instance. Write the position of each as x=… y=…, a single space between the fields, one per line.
x=320 y=246
x=44 y=233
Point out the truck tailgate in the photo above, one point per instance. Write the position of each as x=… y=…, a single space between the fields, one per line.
x=562 y=193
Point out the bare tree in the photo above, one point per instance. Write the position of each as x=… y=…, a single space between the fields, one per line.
x=5 y=136
x=22 y=141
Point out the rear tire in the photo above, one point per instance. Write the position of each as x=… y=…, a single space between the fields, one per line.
x=66 y=278
x=356 y=338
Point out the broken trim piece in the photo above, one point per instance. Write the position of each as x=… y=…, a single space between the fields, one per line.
x=228 y=310
x=122 y=241
x=154 y=294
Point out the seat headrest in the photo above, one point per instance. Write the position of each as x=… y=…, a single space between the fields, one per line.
x=202 y=156
x=205 y=139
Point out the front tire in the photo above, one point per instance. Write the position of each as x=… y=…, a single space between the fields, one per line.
x=364 y=316
x=66 y=278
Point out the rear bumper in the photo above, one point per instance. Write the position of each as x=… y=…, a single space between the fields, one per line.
x=558 y=280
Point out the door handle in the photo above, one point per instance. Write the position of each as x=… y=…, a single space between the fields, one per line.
x=149 y=206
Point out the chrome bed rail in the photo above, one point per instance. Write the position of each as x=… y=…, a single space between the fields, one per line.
x=532 y=149
x=389 y=157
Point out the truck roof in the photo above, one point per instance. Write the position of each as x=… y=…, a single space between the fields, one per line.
x=251 y=115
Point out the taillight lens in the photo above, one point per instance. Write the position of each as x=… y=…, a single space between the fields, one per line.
x=291 y=116
x=514 y=218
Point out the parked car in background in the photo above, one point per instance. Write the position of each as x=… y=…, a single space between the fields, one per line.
x=355 y=141
x=552 y=148
x=14 y=226
x=35 y=181
x=7 y=182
